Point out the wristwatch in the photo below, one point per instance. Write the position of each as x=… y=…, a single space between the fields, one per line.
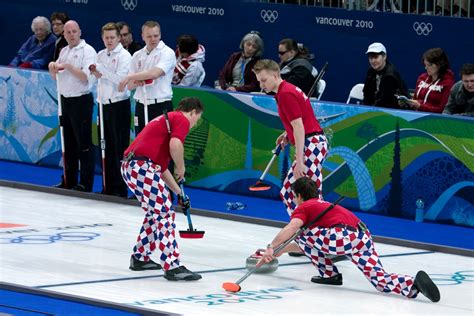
x=269 y=246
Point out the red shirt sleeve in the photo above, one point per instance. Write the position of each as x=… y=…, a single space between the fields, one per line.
x=179 y=126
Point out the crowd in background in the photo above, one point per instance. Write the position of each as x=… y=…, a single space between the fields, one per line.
x=152 y=68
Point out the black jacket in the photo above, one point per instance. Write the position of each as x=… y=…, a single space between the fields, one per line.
x=300 y=72
x=391 y=83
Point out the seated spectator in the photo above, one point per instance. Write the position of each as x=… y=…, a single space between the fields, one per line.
x=190 y=55
x=58 y=19
x=295 y=67
x=126 y=38
x=237 y=74
x=383 y=81
x=461 y=98
x=433 y=86
x=38 y=49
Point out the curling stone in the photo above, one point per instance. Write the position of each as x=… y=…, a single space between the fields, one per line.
x=266 y=268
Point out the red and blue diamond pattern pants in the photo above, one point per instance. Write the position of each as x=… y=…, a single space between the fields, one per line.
x=359 y=247
x=158 y=228
x=315 y=151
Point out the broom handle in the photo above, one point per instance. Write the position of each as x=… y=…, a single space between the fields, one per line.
x=276 y=152
x=188 y=213
x=283 y=245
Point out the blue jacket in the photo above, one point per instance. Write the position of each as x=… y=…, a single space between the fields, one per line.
x=39 y=55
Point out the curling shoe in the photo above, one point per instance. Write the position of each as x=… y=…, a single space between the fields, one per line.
x=137 y=265
x=334 y=280
x=181 y=273
x=426 y=286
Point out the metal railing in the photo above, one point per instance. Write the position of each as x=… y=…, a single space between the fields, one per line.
x=452 y=8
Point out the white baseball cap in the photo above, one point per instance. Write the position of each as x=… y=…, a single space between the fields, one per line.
x=376 y=48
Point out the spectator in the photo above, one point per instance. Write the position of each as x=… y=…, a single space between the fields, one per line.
x=58 y=19
x=433 y=86
x=113 y=64
x=237 y=74
x=38 y=49
x=190 y=56
x=126 y=38
x=295 y=66
x=71 y=71
x=461 y=98
x=155 y=62
x=383 y=81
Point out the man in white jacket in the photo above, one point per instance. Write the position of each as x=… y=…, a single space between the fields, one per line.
x=113 y=64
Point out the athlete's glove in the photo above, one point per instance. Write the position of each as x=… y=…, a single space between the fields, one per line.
x=185 y=203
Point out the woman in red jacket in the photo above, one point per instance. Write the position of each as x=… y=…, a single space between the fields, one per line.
x=433 y=86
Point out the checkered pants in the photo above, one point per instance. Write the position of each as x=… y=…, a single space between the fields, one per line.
x=358 y=246
x=315 y=151
x=158 y=228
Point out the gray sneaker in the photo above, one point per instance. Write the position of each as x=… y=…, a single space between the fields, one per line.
x=137 y=265
x=181 y=274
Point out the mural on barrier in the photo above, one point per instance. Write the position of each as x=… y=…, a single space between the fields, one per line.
x=393 y=163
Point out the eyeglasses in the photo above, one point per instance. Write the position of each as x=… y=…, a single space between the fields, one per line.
x=282 y=53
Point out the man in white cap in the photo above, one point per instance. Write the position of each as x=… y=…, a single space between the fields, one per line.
x=383 y=82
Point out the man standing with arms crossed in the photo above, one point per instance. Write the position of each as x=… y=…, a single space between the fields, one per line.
x=154 y=63
x=113 y=64
x=71 y=70
x=302 y=129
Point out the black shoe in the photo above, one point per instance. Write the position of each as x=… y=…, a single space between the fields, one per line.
x=335 y=259
x=60 y=185
x=181 y=274
x=334 y=280
x=296 y=254
x=137 y=265
x=79 y=187
x=426 y=286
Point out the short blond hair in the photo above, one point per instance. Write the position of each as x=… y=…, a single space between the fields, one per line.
x=266 y=64
x=111 y=27
x=151 y=24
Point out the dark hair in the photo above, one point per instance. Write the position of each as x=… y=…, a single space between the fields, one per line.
x=110 y=27
x=121 y=24
x=467 y=69
x=190 y=103
x=299 y=48
x=306 y=188
x=188 y=44
x=438 y=57
x=62 y=16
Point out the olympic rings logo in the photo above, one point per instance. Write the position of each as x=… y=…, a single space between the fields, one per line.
x=422 y=28
x=50 y=239
x=129 y=4
x=454 y=279
x=269 y=16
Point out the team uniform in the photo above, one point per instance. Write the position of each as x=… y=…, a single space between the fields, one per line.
x=340 y=232
x=159 y=93
x=114 y=66
x=77 y=104
x=150 y=156
x=293 y=104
